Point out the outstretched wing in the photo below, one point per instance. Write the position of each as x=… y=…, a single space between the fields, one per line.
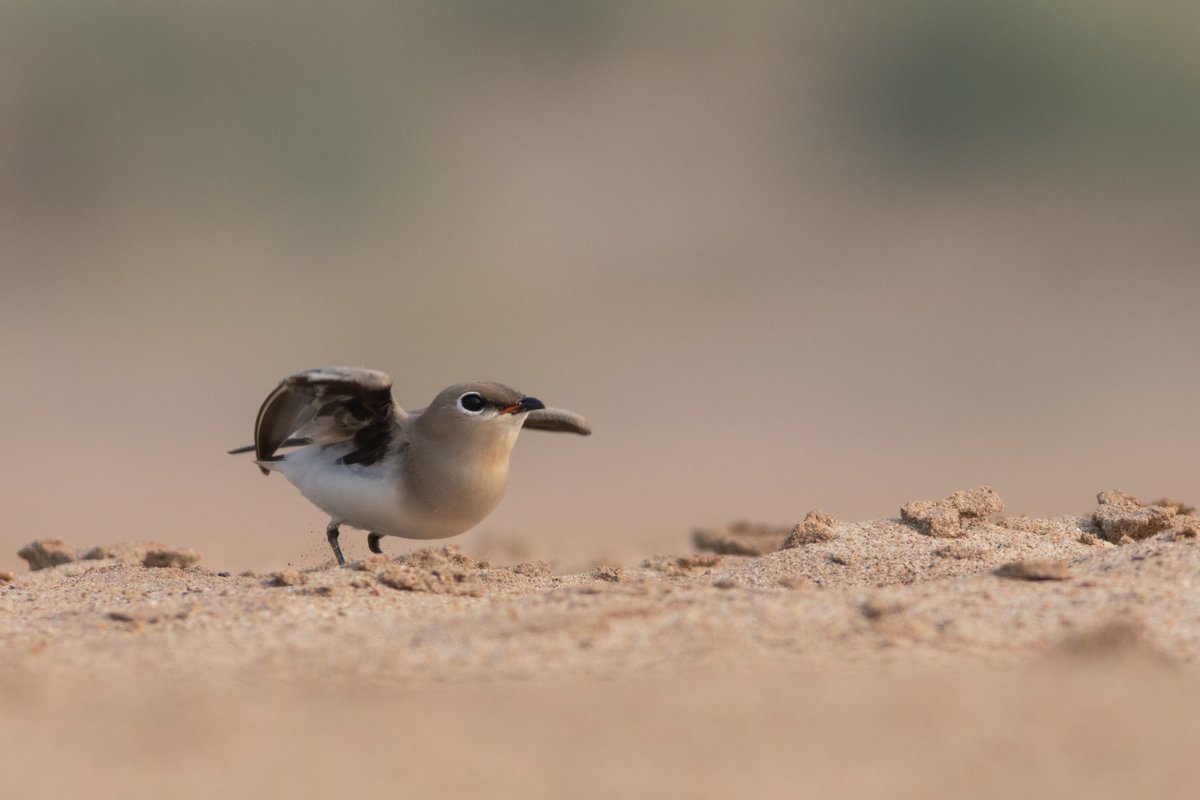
x=557 y=420
x=327 y=406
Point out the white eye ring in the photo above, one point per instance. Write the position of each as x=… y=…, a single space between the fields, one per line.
x=471 y=403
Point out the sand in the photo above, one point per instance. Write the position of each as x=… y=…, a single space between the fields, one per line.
x=946 y=652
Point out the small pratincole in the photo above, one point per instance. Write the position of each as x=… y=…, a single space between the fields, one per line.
x=364 y=461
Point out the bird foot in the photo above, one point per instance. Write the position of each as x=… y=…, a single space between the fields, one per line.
x=331 y=534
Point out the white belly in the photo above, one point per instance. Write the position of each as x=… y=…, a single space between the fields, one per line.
x=369 y=498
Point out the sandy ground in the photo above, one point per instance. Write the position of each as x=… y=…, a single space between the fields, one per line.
x=945 y=653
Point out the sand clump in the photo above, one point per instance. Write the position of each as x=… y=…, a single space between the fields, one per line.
x=817 y=526
x=289 y=577
x=533 y=569
x=1121 y=516
x=608 y=573
x=45 y=553
x=434 y=581
x=170 y=557
x=1185 y=528
x=949 y=517
x=753 y=539
x=682 y=566
x=697 y=561
x=1035 y=569
x=741 y=539
x=434 y=570
x=53 y=552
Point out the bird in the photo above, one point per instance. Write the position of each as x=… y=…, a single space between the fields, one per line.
x=353 y=452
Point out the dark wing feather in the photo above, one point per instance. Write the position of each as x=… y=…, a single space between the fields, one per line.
x=250 y=448
x=557 y=420
x=328 y=406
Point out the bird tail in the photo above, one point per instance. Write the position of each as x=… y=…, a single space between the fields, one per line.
x=269 y=465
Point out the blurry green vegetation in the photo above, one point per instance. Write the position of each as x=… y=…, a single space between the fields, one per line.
x=961 y=77
x=318 y=105
x=328 y=111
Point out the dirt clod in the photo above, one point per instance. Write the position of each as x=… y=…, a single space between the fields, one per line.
x=682 y=565
x=610 y=574
x=741 y=539
x=52 y=552
x=816 y=527
x=99 y=552
x=933 y=519
x=945 y=518
x=1121 y=516
x=533 y=569
x=437 y=570
x=1185 y=527
x=1035 y=570
x=416 y=579
x=698 y=561
x=289 y=577
x=177 y=557
x=44 y=553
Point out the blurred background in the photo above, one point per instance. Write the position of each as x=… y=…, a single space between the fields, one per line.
x=783 y=255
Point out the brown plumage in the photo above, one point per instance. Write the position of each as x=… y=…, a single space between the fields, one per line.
x=361 y=458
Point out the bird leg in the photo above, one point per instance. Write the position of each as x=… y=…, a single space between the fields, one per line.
x=331 y=533
x=373 y=542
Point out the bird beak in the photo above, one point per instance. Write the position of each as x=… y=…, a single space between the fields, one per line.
x=526 y=404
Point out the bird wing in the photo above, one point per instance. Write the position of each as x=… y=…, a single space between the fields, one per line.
x=557 y=420
x=328 y=406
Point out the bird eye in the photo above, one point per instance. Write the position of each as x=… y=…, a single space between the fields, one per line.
x=471 y=402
